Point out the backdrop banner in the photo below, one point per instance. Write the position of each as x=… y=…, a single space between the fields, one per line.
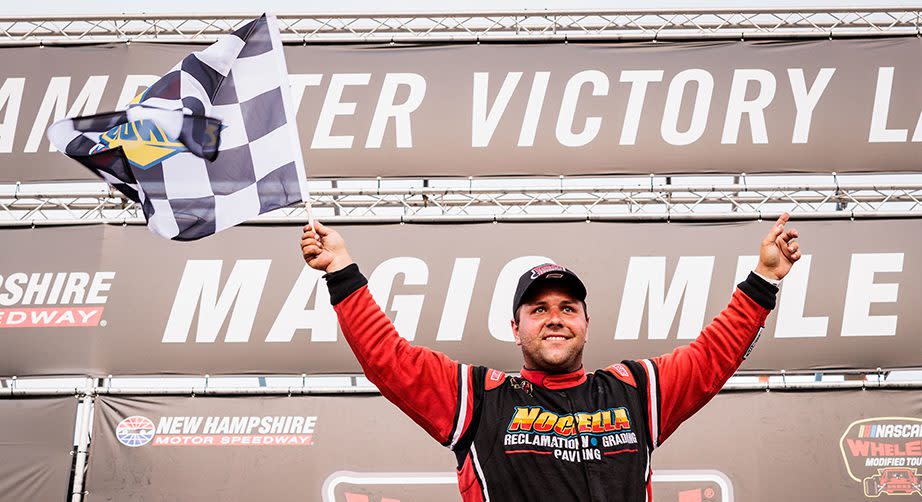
x=863 y=444
x=526 y=109
x=36 y=441
x=120 y=300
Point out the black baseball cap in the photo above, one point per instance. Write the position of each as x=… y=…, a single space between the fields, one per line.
x=545 y=273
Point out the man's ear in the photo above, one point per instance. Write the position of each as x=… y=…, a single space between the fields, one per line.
x=515 y=332
x=587 y=327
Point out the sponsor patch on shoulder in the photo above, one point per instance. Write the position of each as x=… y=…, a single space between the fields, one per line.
x=623 y=374
x=494 y=379
x=753 y=344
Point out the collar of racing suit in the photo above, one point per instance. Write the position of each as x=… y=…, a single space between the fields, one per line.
x=554 y=381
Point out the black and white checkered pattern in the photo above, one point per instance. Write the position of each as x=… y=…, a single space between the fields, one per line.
x=220 y=175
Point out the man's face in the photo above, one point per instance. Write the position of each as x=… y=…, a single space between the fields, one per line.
x=552 y=329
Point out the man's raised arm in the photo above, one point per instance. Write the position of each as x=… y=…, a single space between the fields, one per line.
x=681 y=382
x=423 y=383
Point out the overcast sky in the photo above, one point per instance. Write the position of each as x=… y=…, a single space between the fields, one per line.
x=8 y=7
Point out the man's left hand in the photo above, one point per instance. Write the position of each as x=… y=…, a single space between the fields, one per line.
x=779 y=251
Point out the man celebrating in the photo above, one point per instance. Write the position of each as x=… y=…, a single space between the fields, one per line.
x=555 y=432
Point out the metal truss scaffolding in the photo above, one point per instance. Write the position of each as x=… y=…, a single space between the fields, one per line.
x=559 y=25
x=505 y=200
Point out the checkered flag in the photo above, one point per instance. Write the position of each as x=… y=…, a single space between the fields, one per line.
x=209 y=145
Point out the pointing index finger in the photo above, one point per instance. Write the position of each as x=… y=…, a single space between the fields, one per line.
x=783 y=219
x=776 y=229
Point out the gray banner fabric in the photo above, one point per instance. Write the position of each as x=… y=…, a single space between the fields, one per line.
x=120 y=300
x=36 y=440
x=207 y=448
x=801 y=447
x=527 y=109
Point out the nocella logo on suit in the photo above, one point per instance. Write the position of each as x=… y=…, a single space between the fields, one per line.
x=282 y=430
x=53 y=299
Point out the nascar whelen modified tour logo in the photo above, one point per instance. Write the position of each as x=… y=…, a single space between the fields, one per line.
x=281 y=430
x=885 y=455
x=53 y=299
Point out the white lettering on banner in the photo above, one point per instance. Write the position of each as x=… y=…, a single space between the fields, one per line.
x=577 y=121
x=130 y=88
x=49 y=288
x=681 y=303
x=565 y=134
x=34 y=296
x=99 y=285
x=862 y=291
x=917 y=135
x=54 y=105
x=10 y=102
x=56 y=288
x=645 y=286
x=484 y=122
x=236 y=425
x=37 y=288
x=805 y=100
x=744 y=265
x=669 y=128
x=639 y=80
x=534 y=107
x=75 y=288
x=321 y=320
x=333 y=106
x=755 y=108
x=791 y=322
x=198 y=291
x=458 y=301
x=407 y=308
x=387 y=109
x=486 y=117
x=13 y=286
x=298 y=82
x=178 y=425
x=879 y=132
x=501 y=305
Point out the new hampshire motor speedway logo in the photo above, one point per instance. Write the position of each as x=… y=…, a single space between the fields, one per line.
x=282 y=430
x=54 y=299
x=135 y=431
x=884 y=454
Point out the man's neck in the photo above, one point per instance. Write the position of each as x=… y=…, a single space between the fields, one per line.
x=554 y=381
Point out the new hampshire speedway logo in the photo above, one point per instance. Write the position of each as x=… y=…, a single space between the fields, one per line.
x=287 y=430
x=53 y=299
x=885 y=455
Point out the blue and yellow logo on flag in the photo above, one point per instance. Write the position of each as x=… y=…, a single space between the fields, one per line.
x=145 y=145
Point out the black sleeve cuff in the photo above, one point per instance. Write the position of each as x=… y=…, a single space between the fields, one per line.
x=759 y=290
x=343 y=283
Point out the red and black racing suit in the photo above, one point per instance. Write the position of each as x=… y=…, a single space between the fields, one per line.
x=555 y=437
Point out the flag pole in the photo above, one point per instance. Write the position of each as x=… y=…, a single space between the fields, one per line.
x=310 y=212
x=291 y=115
